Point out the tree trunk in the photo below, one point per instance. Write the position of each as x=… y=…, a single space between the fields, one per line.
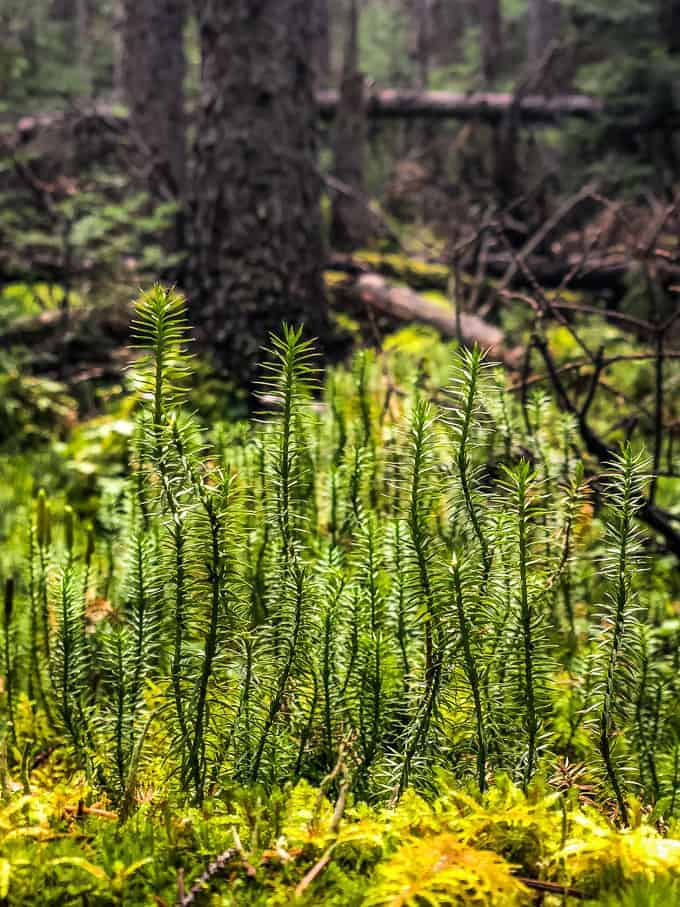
x=153 y=67
x=351 y=216
x=447 y=24
x=257 y=243
x=421 y=15
x=669 y=18
x=490 y=39
x=322 y=43
x=118 y=51
x=543 y=27
x=63 y=10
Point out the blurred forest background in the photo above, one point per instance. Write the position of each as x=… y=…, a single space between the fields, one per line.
x=417 y=184
x=497 y=170
x=234 y=148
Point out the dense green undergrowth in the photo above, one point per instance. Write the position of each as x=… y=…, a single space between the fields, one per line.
x=284 y=846
x=382 y=645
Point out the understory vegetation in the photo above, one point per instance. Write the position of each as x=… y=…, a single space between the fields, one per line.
x=382 y=644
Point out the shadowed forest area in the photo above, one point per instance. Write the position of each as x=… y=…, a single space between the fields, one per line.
x=339 y=438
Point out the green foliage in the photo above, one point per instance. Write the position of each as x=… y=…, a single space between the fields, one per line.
x=91 y=230
x=616 y=658
x=360 y=597
x=32 y=410
x=42 y=60
x=257 y=848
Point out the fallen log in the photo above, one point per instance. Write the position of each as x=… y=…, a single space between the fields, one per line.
x=404 y=304
x=600 y=274
x=490 y=107
x=607 y=274
x=113 y=119
x=94 y=341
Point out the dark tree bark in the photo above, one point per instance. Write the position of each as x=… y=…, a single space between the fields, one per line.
x=83 y=25
x=63 y=10
x=669 y=18
x=351 y=217
x=118 y=51
x=322 y=42
x=421 y=15
x=424 y=135
x=490 y=39
x=544 y=23
x=153 y=66
x=257 y=240
x=447 y=24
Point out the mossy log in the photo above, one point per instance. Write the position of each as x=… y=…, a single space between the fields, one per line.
x=404 y=304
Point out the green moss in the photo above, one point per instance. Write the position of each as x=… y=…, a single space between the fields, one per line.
x=416 y=273
x=346 y=323
x=334 y=278
x=438 y=298
x=59 y=847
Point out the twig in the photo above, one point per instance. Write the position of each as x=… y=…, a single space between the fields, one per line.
x=656 y=518
x=540 y=235
x=578 y=364
x=370 y=205
x=218 y=865
x=325 y=859
x=317 y=868
x=552 y=888
x=594 y=381
x=82 y=810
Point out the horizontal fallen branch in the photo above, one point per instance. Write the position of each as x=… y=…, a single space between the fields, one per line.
x=404 y=304
x=491 y=107
x=64 y=342
x=563 y=891
x=389 y=103
x=604 y=273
